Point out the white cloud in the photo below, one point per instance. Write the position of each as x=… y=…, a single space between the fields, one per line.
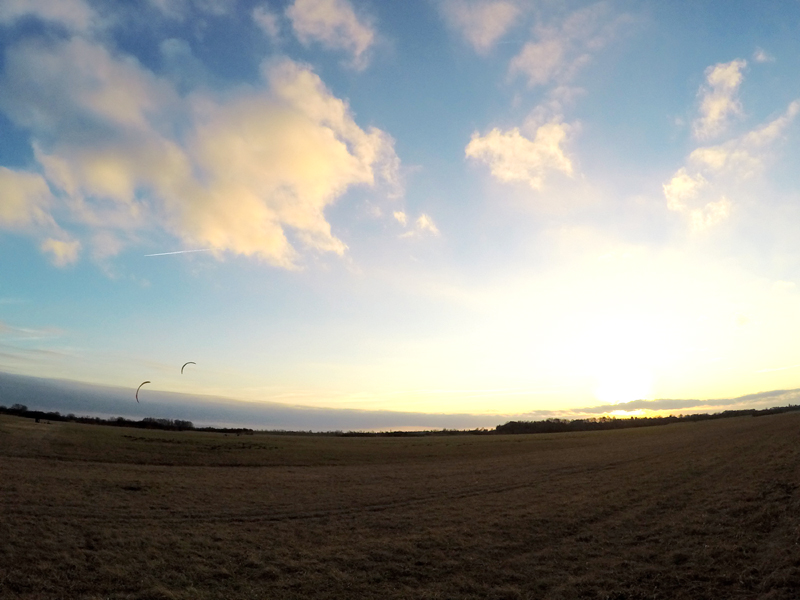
x=703 y=195
x=267 y=21
x=400 y=216
x=26 y=333
x=744 y=156
x=710 y=214
x=512 y=157
x=75 y=15
x=762 y=136
x=481 y=22
x=689 y=195
x=425 y=223
x=251 y=173
x=62 y=252
x=559 y=51
x=683 y=187
x=422 y=224
x=718 y=101
x=335 y=25
x=761 y=56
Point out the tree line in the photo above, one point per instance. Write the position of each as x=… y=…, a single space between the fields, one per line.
x=603 y=423
x=21 y=410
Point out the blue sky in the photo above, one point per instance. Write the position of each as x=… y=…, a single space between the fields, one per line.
x=454 y=206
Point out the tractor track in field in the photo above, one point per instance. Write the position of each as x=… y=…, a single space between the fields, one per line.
x=128 y=513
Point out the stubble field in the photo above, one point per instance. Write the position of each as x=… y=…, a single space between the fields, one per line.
x=691 y=510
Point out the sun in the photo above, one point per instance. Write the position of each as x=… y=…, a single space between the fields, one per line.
x=620 y=355
x=615 y=386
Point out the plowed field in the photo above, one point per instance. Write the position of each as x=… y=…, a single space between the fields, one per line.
x=692 y=510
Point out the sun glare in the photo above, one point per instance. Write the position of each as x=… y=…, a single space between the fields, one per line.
x=621 y=355
x=623 y=385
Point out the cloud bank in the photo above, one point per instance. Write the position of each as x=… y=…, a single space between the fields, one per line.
x=105 y=401
x=758 y=400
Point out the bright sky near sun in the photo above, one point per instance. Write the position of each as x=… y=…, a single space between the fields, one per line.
x=475 y=206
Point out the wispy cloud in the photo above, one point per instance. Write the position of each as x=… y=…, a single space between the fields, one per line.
x=744 y=155
x=481 y=22
x=75 y=15
x=423 y=224
x=267 y=21
x=12 y=332
x=180 y=9
x=26 y=199
x=762 y=56
x=559 y=50
x=687 y=194
x=335 y=25
x=25 y=206
x=62 y=252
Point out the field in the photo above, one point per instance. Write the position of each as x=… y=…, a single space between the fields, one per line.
x=692 y=510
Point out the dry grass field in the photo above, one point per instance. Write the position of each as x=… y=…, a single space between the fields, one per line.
x=693 y=510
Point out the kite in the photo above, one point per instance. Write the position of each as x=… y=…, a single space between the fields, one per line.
x=137 y=390
x=188 y=363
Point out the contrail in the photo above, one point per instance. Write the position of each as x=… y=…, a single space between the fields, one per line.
x=179 y=252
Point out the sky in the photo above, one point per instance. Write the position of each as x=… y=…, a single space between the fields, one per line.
x=472 y=207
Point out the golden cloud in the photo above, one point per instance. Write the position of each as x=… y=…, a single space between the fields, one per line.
x=243 y=173
x=513 y=157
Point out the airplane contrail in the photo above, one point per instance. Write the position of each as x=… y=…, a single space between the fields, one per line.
x=178 y=252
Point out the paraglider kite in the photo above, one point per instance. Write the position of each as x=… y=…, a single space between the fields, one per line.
x=188 y=363
x=137 y=390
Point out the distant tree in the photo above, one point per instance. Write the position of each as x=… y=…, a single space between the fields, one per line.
x=19 y=407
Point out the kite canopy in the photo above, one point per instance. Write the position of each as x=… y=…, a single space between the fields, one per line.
x=188 y=363
x=140 y=387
